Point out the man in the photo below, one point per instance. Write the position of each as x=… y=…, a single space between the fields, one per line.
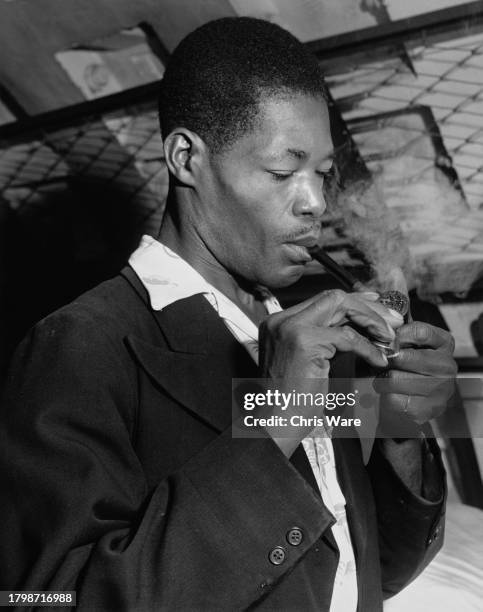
x=121 y=477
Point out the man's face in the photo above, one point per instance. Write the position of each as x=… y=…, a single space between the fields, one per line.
x=261 y=201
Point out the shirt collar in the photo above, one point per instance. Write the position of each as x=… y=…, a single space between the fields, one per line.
x=168 y=278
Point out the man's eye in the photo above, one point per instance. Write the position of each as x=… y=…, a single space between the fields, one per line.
x=280 y=176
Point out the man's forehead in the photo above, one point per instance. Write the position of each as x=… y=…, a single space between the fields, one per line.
x=295 y=126
x=301 y=154
x=275 y=151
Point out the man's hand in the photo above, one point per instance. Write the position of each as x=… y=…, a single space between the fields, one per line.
x=415 y=389
x=300 y=342
x=420 y=380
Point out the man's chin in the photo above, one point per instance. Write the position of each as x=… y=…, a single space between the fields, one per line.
x=288 y=276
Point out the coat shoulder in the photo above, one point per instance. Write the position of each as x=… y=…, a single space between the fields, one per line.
x=113 y=309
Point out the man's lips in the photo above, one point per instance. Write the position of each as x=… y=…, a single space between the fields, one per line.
x=300 y=248
x=309 y=241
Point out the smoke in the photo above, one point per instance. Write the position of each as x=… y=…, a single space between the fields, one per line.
x=374 y=230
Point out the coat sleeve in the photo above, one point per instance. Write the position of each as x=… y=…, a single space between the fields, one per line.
x=410 y=527
x=76 y=513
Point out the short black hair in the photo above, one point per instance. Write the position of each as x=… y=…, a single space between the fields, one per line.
x=217 y=75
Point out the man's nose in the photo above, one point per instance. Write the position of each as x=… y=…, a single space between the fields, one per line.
x=310 y=201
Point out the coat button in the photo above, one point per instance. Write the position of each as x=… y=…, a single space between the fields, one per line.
x=295 y=536
x=277 y=555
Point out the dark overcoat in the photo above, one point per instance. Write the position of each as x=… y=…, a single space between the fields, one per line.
x=120 y=478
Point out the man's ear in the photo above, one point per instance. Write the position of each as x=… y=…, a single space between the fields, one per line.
x=184 y=152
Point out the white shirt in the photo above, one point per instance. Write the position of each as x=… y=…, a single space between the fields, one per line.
x=169 y=278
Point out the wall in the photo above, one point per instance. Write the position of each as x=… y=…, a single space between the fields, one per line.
x=31 y=31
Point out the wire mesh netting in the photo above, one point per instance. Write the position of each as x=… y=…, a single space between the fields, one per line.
x=417 y=122
x=121 y=149
x=446 y=77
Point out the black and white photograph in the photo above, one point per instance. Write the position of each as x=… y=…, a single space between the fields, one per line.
x=241 y=305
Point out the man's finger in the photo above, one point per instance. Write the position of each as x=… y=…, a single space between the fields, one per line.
x=414 y=407
x=337 y=307
x=430 y=362
x=408 y=383
x=319 y=298
x=345 y=339
x=425 y=335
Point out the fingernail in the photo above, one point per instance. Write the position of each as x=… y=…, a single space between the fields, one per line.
x=370 y=295
x=396 y=314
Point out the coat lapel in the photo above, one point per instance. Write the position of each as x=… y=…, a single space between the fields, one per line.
x=197 y=360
